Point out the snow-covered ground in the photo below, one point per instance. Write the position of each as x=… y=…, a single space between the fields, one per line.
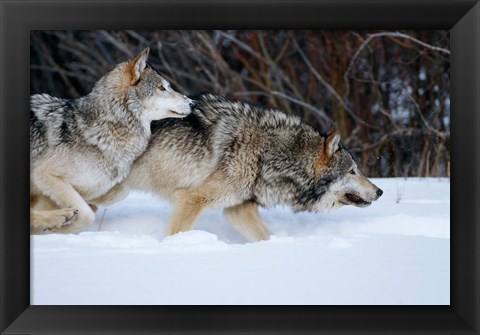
x=397 y=251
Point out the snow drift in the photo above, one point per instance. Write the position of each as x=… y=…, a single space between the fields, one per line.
x=397 y=251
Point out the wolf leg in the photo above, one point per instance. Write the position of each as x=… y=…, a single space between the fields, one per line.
x=115 y=194
x=246 y=219
x=65 y=196
x=188 y=203
x=41 y=220
x=43 y=203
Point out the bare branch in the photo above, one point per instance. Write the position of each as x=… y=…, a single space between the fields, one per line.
x=330 y=88
x=386 y=34
x=440 y=134
x=401 y=131
x=119 y=45
x=320 y=78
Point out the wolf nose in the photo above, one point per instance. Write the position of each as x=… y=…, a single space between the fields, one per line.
x=192 y=105
x=379 y=193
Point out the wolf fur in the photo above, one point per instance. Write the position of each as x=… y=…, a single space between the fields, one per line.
x=80 y=148
x=239 y=156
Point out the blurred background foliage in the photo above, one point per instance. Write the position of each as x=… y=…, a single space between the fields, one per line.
x=388 y=93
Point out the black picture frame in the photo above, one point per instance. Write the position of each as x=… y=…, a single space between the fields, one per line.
x=461 y=17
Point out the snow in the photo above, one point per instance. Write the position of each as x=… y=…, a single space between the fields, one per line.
x=397 y=251
x=422 y=75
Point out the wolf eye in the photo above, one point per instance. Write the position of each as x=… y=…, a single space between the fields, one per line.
x=352 y=171
x=161 y=88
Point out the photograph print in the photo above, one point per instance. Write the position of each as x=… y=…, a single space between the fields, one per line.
x=240 y=167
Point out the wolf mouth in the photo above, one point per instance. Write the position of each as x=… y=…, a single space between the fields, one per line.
x=356 y=199
x=177 y=113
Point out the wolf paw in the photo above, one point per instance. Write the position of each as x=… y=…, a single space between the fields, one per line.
x=64 y=217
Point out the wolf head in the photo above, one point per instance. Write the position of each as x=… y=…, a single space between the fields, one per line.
x=146 y=93
x=310 y=172
x=348 y=186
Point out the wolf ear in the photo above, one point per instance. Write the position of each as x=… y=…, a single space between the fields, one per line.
x=330 y=145
x=136 y=66
x=332 y=141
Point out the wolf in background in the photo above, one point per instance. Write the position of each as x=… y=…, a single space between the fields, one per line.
x=80 y=148
x=239 y=156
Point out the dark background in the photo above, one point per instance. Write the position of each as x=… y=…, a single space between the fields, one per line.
x=388 y=92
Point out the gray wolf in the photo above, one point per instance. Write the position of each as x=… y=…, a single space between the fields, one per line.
x=80 y=148
x=238 y=156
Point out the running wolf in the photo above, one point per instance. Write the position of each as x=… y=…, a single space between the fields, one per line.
x=80 y=148
x=239 y=156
